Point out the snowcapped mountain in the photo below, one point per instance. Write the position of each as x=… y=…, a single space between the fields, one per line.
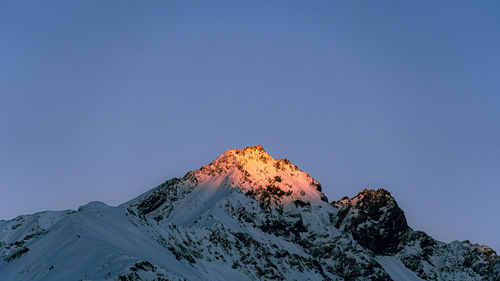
x=245 y=216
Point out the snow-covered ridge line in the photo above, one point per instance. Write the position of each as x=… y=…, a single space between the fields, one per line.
x=244 y=216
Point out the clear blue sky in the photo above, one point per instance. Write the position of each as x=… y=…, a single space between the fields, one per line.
x=103 y=100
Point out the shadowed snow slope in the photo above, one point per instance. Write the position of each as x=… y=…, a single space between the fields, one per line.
x=245 y=216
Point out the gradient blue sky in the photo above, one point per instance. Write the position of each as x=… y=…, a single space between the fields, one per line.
x=103 y=100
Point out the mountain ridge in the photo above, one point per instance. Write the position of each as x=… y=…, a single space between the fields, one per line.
x=244 y=216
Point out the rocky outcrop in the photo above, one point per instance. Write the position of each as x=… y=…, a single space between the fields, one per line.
x=376 y=222
x=374 y=219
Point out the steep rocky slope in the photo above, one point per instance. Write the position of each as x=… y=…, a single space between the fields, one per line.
x=245 y=216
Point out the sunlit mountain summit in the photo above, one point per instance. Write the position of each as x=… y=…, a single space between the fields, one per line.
x=244 y=216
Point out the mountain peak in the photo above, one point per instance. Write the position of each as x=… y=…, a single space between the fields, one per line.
x=248 y=157
x=249 y=153
x=231 y=220
x=258 y=174
x=251 y=170
x=257 y=147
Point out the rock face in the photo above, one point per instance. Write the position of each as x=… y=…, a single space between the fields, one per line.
x=245 y=216
x=374 y=220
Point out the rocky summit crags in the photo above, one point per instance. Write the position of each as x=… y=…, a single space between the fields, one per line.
x=245 y=216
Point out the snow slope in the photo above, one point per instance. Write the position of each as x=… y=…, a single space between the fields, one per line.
x=245 y=216
x=396 y=269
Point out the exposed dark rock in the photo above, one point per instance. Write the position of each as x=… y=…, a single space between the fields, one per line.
x=374 y=220
x=17 y=254
x=166 y=192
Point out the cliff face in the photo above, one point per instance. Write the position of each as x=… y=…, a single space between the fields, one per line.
x=374 y=220
x=245 y=216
